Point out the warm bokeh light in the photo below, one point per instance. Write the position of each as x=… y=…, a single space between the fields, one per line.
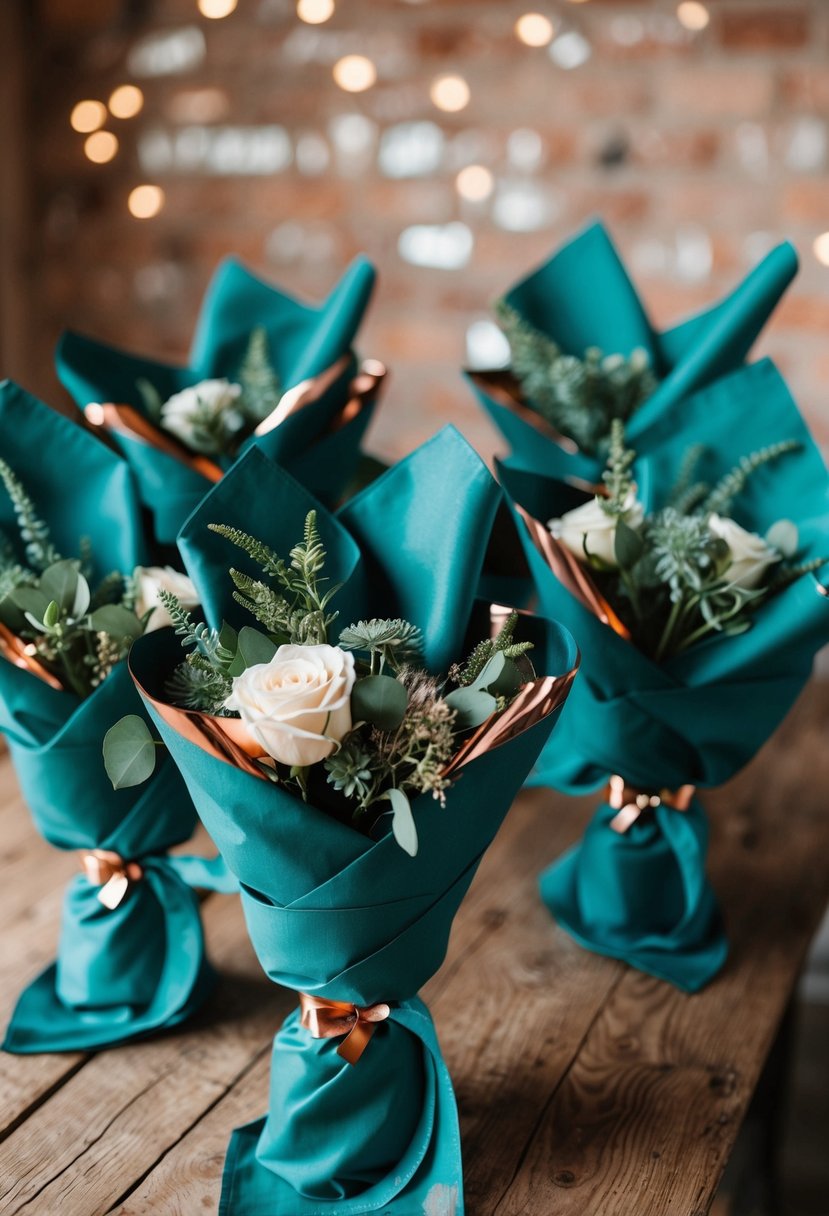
x=474 y=183
x=315 y=12
x=534 y=29
x=450 y=93
x=217 y=8
x=145 y=201
x=101 y=147
x=693 y=15
x=88 y=116
x=355 y=73
x=820 y=248
x=126 y=101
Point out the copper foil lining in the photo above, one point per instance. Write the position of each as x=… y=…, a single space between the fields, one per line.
x=572 y=574
x=127 y=421
x=324 y=1019
x=17 y=651
x=629 y=801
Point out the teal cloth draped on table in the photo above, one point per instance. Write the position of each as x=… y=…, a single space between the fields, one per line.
x=583 y=297
x=303 y=342
x=141 y=966
x=332 y=912
x=641 y=895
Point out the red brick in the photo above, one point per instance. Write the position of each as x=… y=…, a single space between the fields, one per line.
x=723 y=90
x=764 y=29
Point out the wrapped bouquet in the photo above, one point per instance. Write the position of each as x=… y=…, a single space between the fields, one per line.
x=584 y=352
x=264 y=370
x=131 y=955
x=691 y=585
x=353 y=766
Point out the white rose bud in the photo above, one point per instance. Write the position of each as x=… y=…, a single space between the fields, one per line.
x=214 y=398
x=149 y=580
x=298 y=706
x=750 y=555
x=593 y=522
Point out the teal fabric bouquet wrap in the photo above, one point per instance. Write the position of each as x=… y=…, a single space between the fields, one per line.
x=635 y=887
x=350 y=919
x=582 y=301
x=311 y=402
x=135 y=963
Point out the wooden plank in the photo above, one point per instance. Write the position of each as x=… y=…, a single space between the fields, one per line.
x=649 y=1112
x=133 y=1111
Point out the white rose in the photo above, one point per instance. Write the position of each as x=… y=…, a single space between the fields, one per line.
x=750 y=555
x=593 y=522
x=184 y=413
x=298 y=706
x=149 y=580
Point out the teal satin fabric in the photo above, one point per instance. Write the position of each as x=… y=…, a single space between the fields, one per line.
x=121 y=973
x=696 y=719
x=304 y=340
x=331 y=911
x=583 y=297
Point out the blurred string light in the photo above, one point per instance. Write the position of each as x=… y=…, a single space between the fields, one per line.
x=440 y=246
x=100 y=147
x=475 y=183
x=215 y=9
x=693 y=15
x=126 y=101
x=168 y=53
x=820 y=248
x=450 y=93
x=570 y=50
x=486 y=346
x=315 y=12
x=534 y=29
x=354 y=73
x=88 y=116
x=145 y=201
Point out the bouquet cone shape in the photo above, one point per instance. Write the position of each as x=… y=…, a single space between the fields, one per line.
x=137 y=962
x=315 y=430
x=582 y=298
x=342 y=916
x=635 y=887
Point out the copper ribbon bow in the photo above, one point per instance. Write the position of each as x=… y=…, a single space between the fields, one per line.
x=329 y=1019
x=111 y=873
x=630 y=802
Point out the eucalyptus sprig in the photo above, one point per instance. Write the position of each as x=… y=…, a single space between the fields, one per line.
x=578 y=396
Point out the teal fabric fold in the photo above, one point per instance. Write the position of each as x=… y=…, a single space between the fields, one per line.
x=698 y=718
x=304 y=340
x=336 y=913
x=583 y=297
x=122 y=973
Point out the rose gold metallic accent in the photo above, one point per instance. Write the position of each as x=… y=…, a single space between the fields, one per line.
x=111 y=873
x=293 y=400
x=124 y=420
x=505 y=390
x=18 y=652
x=325 y=1019
x=568 y=570
x=630 y=802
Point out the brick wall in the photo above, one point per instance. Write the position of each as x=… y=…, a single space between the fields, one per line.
x=700 y=149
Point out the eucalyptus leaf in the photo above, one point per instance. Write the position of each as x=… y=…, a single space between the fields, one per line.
x=60 y=582
x=116 y=620
x=472 y=705
x=129 y=752
x=254 y=646
x=490 y=672
x=31 y=601
x=783 y=537
x=509 y=680
x=402 y=823
x=627 y=545
x=380 y=700
x=228 y=637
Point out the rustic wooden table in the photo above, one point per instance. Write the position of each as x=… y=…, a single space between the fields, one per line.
x=584 y=1087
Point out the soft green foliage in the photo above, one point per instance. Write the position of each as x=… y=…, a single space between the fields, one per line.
x=503 y=643
x=720 y=499
x=151 y=398
x=195 y=684
x=393 y=642
x=617 y=476
x=129 y=752
x=261 y=389
x=579 y=397
x=40 y=552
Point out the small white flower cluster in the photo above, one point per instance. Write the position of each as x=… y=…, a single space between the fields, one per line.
x=205 y=415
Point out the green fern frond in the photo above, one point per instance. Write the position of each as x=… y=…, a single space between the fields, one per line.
x=270 y=561
x=617 y=476
x=483 y=652
x=40 y=552
x=733 y=483
x=261 y=390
